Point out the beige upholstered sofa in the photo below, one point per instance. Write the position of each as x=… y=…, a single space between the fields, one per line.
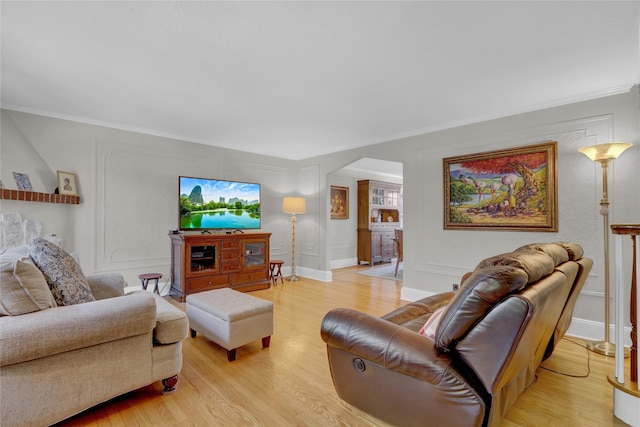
x=56 y=361
x=491 y=336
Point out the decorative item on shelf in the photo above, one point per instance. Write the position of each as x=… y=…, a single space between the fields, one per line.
x=67 y=183
x=293 y=206
x=339 y=202
x=22 y=181
x=605 y=154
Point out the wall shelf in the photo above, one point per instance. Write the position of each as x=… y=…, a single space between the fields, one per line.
x=33 y=196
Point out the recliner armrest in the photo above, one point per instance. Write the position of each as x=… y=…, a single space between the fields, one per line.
x=385 y=343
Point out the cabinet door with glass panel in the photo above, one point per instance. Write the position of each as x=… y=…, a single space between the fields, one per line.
x=377 y=196
x=384 y=196
x=203 y=258
x=255 y=253
x=385 y=204
x=392 y=197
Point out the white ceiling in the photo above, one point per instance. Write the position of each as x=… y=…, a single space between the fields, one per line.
x=301 y=79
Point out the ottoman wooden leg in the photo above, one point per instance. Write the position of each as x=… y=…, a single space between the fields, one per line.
x=266 y=341
x=231 y=355
x=193 y=333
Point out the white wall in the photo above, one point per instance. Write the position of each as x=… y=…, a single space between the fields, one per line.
x=128 y=184
x=435 y=258
x=342 y=237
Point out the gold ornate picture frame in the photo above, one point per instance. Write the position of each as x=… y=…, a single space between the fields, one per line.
x=514 y=189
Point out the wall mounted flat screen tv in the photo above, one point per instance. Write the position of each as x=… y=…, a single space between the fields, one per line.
x=213 y=204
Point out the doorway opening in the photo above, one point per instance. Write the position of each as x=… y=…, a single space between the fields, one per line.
x=342 y=234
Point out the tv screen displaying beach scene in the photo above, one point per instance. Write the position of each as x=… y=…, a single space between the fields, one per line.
x=213 y=204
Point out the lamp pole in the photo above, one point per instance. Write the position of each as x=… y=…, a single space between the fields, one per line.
x=605 y=347
x=293 y=206
x=605 y=154
x=294 y=277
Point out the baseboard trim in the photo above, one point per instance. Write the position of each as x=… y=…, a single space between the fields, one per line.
x=594 y=331
x=341 y=263
x=310 y=273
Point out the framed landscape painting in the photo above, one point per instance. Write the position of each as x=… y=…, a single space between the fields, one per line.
x=513 y=189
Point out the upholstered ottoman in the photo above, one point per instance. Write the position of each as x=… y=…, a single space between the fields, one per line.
x=230 y=318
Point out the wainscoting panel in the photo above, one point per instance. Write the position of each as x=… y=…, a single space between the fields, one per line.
x=308 y=179
x=137 y=203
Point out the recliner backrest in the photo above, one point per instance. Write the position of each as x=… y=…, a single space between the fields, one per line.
x=535 y=263
x=493 y=280
x=478 y=294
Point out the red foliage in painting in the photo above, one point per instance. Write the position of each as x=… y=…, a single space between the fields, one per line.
x=506 y=164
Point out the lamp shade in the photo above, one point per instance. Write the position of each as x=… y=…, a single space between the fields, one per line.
x=604 y=152
x=294 y=205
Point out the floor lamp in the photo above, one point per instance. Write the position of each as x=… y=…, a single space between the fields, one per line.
x=293 y=206
x=605 y=154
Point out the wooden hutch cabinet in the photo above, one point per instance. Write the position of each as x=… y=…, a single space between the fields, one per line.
x=379 y=209
x=201 y=262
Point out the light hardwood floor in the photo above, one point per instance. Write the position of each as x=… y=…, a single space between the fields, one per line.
x=289 y=383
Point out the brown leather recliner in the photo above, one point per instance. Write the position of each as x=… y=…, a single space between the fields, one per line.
x=507 y=317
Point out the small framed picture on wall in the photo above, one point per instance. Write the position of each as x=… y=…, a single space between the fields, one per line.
x=339 y=202
x=67 y=183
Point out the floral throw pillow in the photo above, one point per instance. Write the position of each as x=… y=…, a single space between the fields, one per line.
x=63 y=274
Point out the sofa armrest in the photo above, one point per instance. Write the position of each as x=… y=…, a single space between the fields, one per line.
x=106 y=285
x=67 y=328
x=172 y=324
x=385 y=343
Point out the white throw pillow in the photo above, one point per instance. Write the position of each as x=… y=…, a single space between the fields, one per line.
x=23 y=288
x=430 y=326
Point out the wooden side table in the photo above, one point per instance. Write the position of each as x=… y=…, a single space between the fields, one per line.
x=144 y=278
x=275 y=267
